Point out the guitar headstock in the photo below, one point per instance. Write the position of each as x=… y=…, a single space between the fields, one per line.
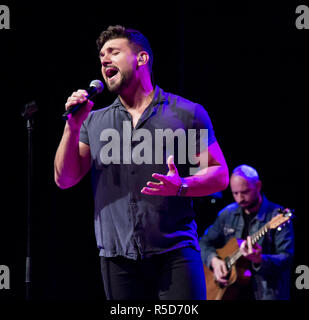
x=284 y=216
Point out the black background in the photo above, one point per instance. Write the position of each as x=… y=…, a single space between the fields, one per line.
x=246 y=62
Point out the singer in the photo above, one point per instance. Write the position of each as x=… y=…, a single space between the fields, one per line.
x=144 y=220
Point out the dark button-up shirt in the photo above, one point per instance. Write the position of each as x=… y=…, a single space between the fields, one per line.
x=127 y=222
x=271 y=279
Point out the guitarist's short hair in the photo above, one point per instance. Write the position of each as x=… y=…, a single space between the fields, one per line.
x=247 y=172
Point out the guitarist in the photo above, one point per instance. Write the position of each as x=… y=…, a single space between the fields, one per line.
x=270 y=259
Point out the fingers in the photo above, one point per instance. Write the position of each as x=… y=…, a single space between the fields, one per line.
x=171 y=165
x=224 y=270
x=220 y=270
x=162 y=188
x=244 y=248
x=157 y=185
x=249 y=245
x=160 y=177
x=251 y=252
x=79 y=96
x=151 y=191
x=168 y=185
x=243 y=244
x=157 y=189
x=153 y=188
x=221 y=274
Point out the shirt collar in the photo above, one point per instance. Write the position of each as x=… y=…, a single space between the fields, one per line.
x=158 y=98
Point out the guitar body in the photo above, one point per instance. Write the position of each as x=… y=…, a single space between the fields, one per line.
x=238 y=277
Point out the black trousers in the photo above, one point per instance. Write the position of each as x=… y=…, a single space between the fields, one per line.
x=175 y=275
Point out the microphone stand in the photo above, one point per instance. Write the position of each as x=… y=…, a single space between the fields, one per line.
x=30 y=109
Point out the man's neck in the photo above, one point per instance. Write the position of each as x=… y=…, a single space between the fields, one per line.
x=137 y=96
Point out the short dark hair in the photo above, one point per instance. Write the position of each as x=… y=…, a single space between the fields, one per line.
x=136 y=39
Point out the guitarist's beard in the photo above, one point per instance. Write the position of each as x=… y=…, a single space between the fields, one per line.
x=252 y=205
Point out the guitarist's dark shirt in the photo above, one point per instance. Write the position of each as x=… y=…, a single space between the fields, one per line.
x=247 y=220
x=247 y=293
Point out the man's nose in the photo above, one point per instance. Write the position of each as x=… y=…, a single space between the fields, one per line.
x=106 y=60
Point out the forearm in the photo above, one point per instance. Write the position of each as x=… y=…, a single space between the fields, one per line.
x=207 y=181
x=67 y=167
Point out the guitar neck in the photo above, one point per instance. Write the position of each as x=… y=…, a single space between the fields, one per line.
x=254 y=239
x=259 y=234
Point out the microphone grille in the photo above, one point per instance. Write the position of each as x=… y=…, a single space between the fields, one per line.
x=98 y=84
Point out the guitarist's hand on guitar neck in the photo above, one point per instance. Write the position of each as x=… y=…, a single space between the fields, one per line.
x=220 y=271
x=252 y=253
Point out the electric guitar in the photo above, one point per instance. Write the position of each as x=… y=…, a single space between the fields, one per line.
x=237 y=265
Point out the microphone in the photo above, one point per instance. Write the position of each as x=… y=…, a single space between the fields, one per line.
x=95 y=87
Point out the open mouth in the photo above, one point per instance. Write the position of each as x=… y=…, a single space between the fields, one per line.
x=111 y=72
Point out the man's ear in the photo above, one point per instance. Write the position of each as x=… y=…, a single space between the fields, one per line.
x=142 y=58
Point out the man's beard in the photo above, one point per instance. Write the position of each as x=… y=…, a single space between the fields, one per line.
x=122 y=83
x=251 y=205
